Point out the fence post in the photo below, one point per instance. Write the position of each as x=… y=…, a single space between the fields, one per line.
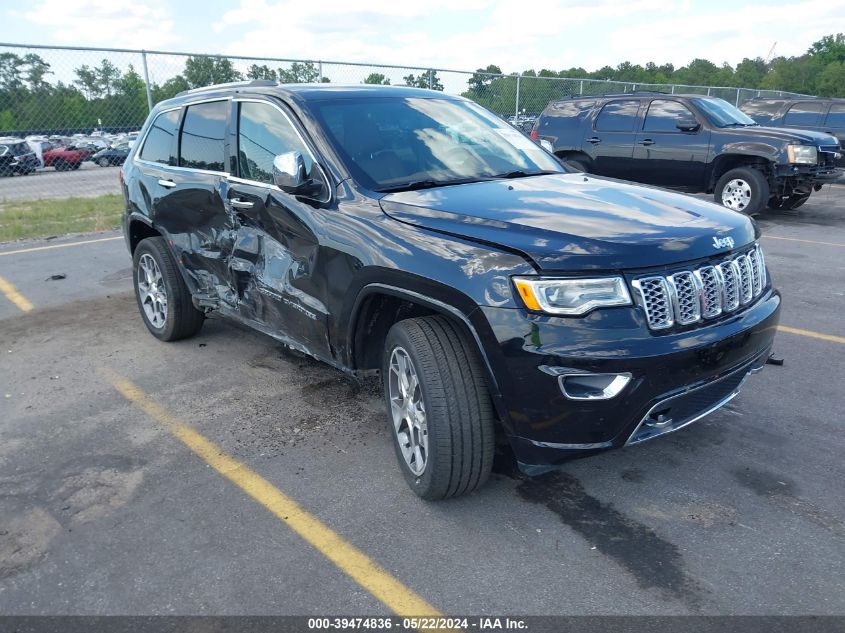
x=147 y=80
x=516 y=113
x=673 y=89
x=430 y=75
x=320 y=65
x=581 y=88
x=736 y=102
x=708 y=91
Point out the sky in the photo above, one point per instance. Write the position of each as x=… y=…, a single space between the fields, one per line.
x=455 y=34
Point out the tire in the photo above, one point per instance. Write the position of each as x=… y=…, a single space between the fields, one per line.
x=457 y=423
x=60 y=165
x=103 y=162
x=743 y=189
x=76 y=165
x=179 y=319
x=577 y=164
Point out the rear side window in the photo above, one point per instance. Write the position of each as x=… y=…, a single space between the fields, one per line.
x=264 y=133
x=159 y=142
x=761 y=109
x=203 y=132
x=803 y=114
x=836 y=116
x=618 y=116
x=663 y=115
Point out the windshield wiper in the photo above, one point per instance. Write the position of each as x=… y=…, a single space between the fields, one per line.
x=415 y=185
x=524 y=174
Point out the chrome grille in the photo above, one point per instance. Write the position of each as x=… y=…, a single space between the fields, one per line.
x=657 y=302
x=688 y=296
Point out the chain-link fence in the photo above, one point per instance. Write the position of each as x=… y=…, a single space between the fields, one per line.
x=69 y=115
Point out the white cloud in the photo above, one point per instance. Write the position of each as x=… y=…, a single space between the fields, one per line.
x=111 y=23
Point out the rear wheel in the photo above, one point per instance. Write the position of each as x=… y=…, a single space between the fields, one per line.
x=440 y=412
x=60 y=165
x=163 y=298
x=103 y=162
x=743 y=189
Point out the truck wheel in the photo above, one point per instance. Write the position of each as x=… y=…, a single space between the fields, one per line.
x=577 y=165
x=163 y=298
x=440 y=413
x=743 y=189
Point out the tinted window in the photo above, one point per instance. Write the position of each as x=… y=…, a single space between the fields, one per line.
x=663 y=116
x=803 y=114
x=761 y=109
x=618 y=116
x=159 y=141
x=263 y=134
x=836 y=116
x=201 y=143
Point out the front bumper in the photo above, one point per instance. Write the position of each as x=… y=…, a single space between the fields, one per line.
x=694 y=371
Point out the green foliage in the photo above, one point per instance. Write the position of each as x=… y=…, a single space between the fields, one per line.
x=205 y=71
x=428 y=79
x=377 y=78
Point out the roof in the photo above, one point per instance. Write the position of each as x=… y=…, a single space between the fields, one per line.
x=317 y=91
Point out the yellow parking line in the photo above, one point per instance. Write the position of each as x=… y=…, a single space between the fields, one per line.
x=13 y=295
x=64 y=245
x=811 y=334
x=795 y=239
x=352 y=561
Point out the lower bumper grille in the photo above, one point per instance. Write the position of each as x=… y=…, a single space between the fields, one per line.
x=685 y=408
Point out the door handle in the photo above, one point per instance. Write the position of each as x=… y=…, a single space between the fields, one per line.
x=595 y=140
x=166 y=183
x=238 y=203
x=646 y=141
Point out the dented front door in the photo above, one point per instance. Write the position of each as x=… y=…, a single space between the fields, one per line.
x=275 y=252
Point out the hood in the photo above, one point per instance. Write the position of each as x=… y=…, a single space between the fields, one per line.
x=576 y=221
x=786 y=135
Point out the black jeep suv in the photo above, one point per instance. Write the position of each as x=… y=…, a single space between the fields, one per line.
x=408 y=233
x=808 y=113
x=690 y=142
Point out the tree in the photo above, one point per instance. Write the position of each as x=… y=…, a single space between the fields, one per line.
x=831 y=80
x=428 y=79
x=377 y=78
x=262 y=72
x=482 y=78
x=301 y=73
x=205 y=71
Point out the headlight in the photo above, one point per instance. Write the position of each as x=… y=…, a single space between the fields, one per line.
x=803 y=154
x=571 y=296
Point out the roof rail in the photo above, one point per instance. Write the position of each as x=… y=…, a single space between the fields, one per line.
x=616 y=94
x=253 y=83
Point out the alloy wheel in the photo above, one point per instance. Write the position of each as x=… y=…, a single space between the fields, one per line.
x=408 y=411
x=736 y=195
x=152 y=291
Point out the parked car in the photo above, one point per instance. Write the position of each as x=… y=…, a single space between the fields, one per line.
x=807 y=113
x=65 y=158
x=414 y=235
x=111 y=156
x=16 y=157
x=693 y=143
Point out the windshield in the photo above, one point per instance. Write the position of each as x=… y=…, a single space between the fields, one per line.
x=722 y=114
x=393 y=143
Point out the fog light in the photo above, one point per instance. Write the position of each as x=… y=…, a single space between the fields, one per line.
x=593 y=386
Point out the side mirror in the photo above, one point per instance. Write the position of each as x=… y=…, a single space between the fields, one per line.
x=687 y=124
x=289 y=172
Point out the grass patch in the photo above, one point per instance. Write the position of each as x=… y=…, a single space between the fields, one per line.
x=43 y=218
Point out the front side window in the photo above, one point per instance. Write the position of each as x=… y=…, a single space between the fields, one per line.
x=618 y=116
x=392 y=143
x=264 y=133
x=803 y=114
x=663 y=116
x=836 y=116
x=203 y=134
x=159 y=142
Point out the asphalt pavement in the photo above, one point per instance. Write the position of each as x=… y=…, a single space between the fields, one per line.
x=140 y=477
x=88 y=181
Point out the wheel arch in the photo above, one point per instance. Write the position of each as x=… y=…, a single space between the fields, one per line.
x=140 y=228
x=379 y=305
x=725 y=162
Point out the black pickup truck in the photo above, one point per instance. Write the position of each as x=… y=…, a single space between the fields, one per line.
x=693 y=143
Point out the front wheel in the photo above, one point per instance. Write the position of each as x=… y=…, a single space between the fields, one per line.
x=103 y=162
x=440 y=412
x=743 y=189
x=163 y=298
